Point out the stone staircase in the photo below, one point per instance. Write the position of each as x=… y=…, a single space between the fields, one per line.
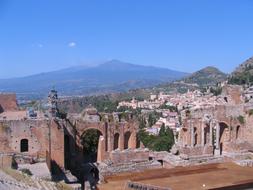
x=37 y=185
x=45 y=185
x=176 y=160
x=14 y=185
x=29 y=183
x=245 y=163
x=128 y=167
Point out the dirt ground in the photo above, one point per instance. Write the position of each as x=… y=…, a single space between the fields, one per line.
x=181 y=178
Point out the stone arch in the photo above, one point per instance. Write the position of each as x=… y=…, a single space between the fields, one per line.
x=24 y=145
x=90 y=140
x=223 y=135
x=127 y=136
x=195 y=136
x=116 y=141
x=206 y=134
x=238 y=132
x=101 y=129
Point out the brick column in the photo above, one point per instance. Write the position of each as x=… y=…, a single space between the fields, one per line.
x=109 y=139
x=132 y=141
x=121 y=138
x=101 y=149
x=217 y=145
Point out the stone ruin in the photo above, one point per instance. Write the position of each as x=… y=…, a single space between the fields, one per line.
x=220 y=129
x=58 y=141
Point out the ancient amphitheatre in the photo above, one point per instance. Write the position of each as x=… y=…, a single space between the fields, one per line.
x=213 y=147
x=126 y=95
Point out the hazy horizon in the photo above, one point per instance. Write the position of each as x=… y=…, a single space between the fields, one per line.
x=44 y=36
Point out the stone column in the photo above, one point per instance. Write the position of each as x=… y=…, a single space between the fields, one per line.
x=121 y=138
x=101 y=149
x=217 y=145
x=203 y=134
x=132 y=141
x=110 y=139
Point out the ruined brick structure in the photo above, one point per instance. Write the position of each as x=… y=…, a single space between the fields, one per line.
x=8 y=102
x=117 y=134
x=220 y=128
x=32 y=138
x=47 y=137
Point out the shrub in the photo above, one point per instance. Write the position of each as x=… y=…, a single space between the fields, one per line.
x=241 y=119
x=26 y=171
x=162 y=142
x=250 y=112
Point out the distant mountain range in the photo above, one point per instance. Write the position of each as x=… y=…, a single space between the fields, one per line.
x=111 y=76
x=208 y=76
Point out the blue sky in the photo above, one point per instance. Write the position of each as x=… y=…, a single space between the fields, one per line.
x=187 y=35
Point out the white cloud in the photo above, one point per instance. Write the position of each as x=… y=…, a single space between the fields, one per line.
x=72 y=44
x=37 y=45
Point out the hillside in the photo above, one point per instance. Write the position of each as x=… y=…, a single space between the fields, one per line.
x=208 y=76
x=109 y=77
x=243 y=74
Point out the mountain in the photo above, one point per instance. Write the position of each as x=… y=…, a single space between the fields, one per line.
x=243 y=74
x=207 y=76
x=111 y=76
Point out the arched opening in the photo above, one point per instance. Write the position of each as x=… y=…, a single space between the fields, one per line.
x=223 y=135
x=24 y=146
x=90 y=140
x=184 y=135
x=238 y=131
x=206 y=134
x=126 y=139
x=116 y=141
x=226 y=99
x=195 y=136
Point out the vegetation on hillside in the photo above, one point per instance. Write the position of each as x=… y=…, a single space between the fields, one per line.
x=243 y=74
x=171 y=108
x=216 y=90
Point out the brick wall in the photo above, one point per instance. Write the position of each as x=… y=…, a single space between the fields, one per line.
x=8 y=102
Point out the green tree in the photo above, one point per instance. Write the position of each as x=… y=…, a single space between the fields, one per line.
x=162 y=142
